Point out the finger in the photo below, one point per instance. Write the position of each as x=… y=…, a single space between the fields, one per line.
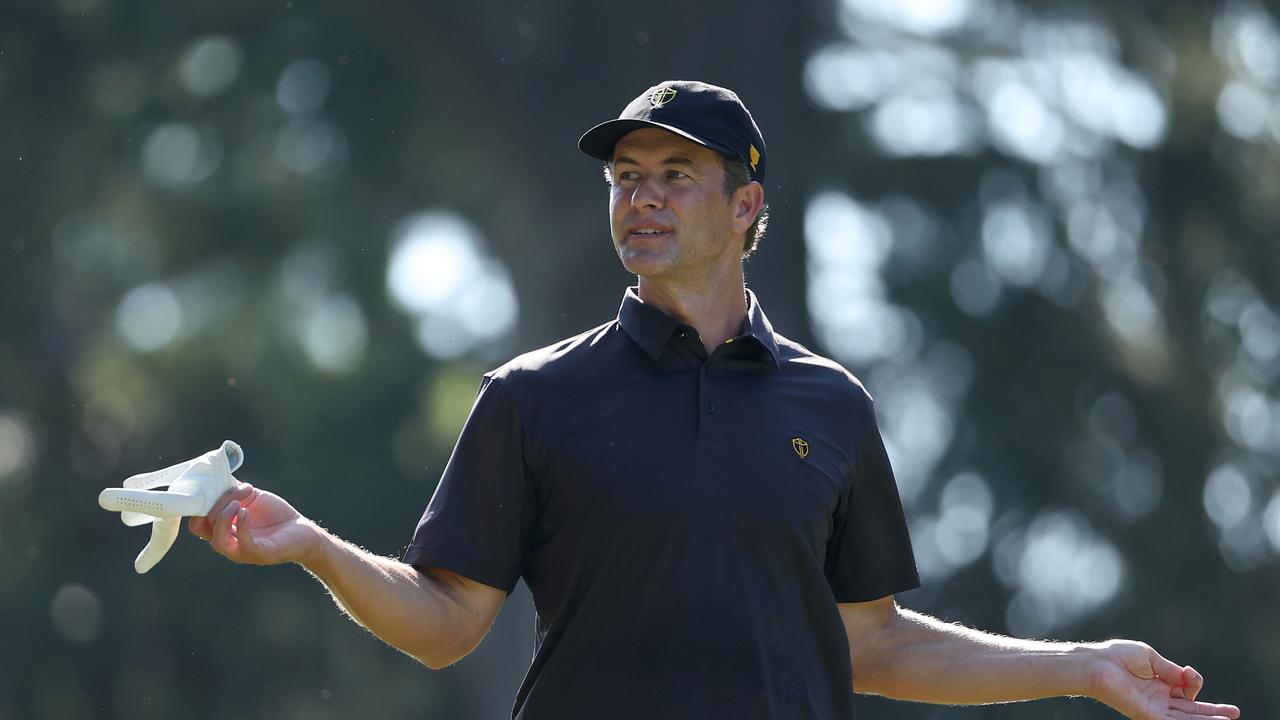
x=222 y=539
x=251 y=494
x=1192 y=682
x=244 y=533
x=200 y=527
x=239 y=492
x=1214 y=711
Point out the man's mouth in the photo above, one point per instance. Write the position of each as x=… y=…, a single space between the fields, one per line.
x=648 y=232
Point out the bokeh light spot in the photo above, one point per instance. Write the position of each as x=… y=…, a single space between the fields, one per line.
x=920 y=17
x=1243 y=110
x=439 y=272
x=975 y=289
x=847 y=245
x=210 y=65
x=1015 y=242
x=1062 y=569
x=845 y=77
x=178 y=155
x=1022 y=124
x=149 y=317
x=924 y=123
x=303 y=86
x=1271 y=521
x=334 y=334
x=76 y=613
x=1112 y=416
x=312 y=148
x=1227 y=496
x=17 y=444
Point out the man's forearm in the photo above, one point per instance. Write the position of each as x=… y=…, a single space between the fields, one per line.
x=409 y=610
x=916 y=657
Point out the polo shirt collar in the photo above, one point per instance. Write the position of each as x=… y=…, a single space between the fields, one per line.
x=758 y=327
x=652 y=329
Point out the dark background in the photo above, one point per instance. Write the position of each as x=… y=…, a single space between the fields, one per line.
x=1044 y=235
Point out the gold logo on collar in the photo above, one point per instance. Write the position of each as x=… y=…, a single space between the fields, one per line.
x=662 y=97
x=800 y=446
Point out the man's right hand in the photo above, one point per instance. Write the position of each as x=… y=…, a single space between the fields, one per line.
x=248 y=525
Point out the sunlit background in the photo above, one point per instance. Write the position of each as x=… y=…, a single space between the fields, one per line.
x=1046 y=237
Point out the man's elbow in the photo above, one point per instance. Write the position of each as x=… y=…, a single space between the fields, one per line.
x=440 y=657
x=436 y=662
x=463 y=612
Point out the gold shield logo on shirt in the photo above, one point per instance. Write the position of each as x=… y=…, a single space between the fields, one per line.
x=662 y=97
x=800 y=446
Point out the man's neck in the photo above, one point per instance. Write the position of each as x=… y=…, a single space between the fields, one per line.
x=715 y=310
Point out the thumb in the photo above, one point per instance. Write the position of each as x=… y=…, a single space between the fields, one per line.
x=248 y=542
x=1166 y=670
x=1182 y=677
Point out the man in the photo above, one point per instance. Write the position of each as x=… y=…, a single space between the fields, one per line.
x=702 y=509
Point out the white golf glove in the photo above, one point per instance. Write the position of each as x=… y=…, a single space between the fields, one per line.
x=194 y=486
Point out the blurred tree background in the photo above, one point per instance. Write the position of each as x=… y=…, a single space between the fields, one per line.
x=1044 y=234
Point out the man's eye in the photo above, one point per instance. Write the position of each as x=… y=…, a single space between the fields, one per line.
x=628 y=176
x=676 y=174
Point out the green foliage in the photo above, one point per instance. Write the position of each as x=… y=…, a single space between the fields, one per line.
x=198 y=204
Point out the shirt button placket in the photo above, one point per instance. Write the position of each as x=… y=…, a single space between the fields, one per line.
x=710 y=416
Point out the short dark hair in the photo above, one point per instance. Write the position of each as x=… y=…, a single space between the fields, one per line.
x=736 y=174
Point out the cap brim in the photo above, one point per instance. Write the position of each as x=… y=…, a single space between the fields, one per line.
x=598 y=142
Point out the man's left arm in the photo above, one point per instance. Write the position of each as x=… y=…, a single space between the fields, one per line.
x=905 y=655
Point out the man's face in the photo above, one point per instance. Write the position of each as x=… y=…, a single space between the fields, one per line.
x=669 y=214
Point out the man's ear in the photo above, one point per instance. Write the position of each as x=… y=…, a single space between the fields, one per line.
x=747 y=202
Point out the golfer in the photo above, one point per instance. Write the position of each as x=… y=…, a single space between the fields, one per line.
x=702 y=509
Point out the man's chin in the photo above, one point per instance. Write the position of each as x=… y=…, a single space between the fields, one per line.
x=644 y=263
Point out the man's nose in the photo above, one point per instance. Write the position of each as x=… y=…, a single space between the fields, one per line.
x=648 y=195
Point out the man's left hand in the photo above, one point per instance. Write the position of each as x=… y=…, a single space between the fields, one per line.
x=1136 y=680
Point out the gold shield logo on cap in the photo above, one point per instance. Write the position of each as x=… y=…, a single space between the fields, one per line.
x=755 y=157
x=662 y=97
x=800 y=446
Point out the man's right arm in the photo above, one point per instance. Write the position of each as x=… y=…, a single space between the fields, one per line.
x=435 y=616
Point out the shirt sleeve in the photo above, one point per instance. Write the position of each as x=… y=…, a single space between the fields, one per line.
x=479 y=519
x=869 y=555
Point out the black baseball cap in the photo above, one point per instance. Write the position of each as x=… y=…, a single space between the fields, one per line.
x=708 y=115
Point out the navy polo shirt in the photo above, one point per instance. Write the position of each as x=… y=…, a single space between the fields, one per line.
x=685 y=523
